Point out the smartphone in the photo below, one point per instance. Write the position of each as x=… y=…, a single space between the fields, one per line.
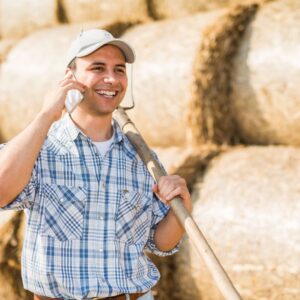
x=74 y=97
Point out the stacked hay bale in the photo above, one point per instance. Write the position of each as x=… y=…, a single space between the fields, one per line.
x=247 y=200
x=12 y=226
x=175 y=73
x=161 y=9
x=19 y=18
x=163 y=73
x=266 y=77
x=95 y=10
x=248 y=206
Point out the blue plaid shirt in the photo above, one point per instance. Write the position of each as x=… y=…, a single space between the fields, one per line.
x=89 y=219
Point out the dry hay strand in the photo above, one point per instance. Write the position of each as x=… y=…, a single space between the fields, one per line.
x=95 y=10
x=265 y=78
x=23 y=85
x=209 y=118
x=247 y=206
x=19 y=18
x=11 y=242
x=161 y=9
x=162 y=76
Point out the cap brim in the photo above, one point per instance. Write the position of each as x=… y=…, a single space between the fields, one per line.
x=124 y=47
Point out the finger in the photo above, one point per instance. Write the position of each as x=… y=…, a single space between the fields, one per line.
x=74 y=85
x=66 y=78
x=174 y=193
x=155 y=188
x=167 y=187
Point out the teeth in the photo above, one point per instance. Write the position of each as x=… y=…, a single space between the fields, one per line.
x=107 y=93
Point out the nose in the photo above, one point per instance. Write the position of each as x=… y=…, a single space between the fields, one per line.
x=109 y=78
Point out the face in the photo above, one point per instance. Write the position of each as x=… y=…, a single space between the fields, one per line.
x=104 y=74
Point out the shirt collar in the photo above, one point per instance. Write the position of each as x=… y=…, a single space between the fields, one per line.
x=72 y=132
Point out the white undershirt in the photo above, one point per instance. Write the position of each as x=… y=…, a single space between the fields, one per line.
x=103 y=147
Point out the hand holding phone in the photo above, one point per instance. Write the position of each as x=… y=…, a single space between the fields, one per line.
x=74 y=97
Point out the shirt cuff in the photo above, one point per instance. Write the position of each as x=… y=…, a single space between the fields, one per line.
x=20 y=203
x=151 y=246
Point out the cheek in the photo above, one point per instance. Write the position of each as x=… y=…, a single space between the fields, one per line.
x=124 y=83
x=87 y=80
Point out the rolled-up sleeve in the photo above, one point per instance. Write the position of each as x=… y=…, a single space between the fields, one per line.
x=26 y=198
x=159 y=211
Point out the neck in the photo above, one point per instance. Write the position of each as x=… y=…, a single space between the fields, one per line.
x=98 y=128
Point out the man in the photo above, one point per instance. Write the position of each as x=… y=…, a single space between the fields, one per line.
x=90 y=202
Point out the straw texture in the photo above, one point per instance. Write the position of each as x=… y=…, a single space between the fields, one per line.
x=266 y=77
x=182 y=75
x=162 y=76
x=95 y=10
x=247 y=205
x=209 y=117
x=23 y=85
x=11 y=241
x=5 y=47
x=172 y=9
x=18 y=18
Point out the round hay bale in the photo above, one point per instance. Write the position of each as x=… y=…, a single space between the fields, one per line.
x=12 y=228
x=187 y=162
x=95 y=10
x=19 y=18
x=181 y=77
x=161 y=9
x=266 y=77
x=163 y=74
x=247 y=206
x=23 y=85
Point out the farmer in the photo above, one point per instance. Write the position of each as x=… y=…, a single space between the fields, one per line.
x=92 y=208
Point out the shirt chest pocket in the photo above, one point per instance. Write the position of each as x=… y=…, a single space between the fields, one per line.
x=133 y=217
x=63 y=214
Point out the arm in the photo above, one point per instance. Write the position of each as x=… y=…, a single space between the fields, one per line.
x=18 y=157
x=169 y=231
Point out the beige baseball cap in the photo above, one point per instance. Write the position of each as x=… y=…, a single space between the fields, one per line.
x=90 y=40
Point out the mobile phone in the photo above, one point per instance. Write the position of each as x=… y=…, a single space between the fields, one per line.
x=74 y=97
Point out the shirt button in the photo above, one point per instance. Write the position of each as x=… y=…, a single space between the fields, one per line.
x=126 y=194
x=101 y=249
x=102 y=185
x=101 y=217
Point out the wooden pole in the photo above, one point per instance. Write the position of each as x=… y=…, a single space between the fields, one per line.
x=214 y=266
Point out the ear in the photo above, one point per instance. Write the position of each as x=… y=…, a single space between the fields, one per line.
x=68 y=71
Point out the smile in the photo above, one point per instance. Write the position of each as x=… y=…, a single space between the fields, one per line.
x=108 y=94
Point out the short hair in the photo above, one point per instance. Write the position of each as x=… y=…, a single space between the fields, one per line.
x=72 y=64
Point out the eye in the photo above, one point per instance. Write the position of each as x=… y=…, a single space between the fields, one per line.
x=121 y=70
x=98 y=69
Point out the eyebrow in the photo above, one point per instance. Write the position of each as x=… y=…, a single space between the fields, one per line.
x=98 y=63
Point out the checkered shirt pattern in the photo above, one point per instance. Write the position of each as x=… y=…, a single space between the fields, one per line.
x=90 y=219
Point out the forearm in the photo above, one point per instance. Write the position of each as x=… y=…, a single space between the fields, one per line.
x=18 y=157
x=168 y=232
